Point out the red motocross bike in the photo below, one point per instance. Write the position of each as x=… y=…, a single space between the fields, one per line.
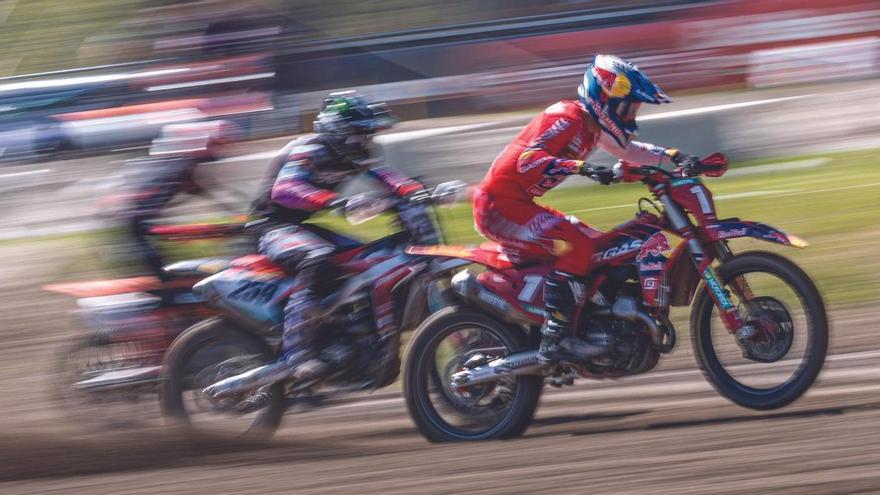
x=472 y=371
x=127 y=325
x=373 y=292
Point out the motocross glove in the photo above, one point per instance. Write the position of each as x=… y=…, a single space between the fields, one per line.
x=683 y=160
x=337 y=204
x=602 y=175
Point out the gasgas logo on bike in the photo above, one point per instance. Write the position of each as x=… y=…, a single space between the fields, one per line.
x=626 y=247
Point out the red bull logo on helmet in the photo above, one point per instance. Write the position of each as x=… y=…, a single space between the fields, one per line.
x=655 y=246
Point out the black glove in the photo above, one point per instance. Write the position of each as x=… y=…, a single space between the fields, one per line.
x=685 y=161
x=337 y=205
x=602 y=175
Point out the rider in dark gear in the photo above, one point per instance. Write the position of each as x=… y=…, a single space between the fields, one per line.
x=153 y=182
x=303 y=179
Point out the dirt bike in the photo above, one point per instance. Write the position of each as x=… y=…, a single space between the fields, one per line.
x=376 y=292
x=127 y=325
x=472 y=370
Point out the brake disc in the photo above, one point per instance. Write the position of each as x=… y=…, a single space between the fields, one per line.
x=775 y=330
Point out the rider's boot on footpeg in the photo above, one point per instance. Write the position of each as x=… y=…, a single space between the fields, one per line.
x=299 y=366
x=557 y=342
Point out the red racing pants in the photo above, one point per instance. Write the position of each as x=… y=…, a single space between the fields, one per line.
x=525 y=227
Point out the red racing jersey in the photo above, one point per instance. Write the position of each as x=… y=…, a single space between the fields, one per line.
x=553 y=146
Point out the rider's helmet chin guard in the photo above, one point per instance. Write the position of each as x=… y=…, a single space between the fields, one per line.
x=612 y=92
x=352 y=119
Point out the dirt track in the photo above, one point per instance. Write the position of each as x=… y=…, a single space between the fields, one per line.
x=664 y=432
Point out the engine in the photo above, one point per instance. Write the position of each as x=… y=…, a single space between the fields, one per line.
x=631 y=351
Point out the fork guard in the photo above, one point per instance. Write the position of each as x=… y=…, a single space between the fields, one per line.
x=720 y=231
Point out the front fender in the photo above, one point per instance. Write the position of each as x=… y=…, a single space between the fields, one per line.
x=734 y=229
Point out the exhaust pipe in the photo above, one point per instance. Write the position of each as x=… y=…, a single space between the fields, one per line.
x=521 y=363
x=121 y=379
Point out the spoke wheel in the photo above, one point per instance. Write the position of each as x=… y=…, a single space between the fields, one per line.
x=88 y=356
x=782 y=360
x=453 y=340
x=208 y=352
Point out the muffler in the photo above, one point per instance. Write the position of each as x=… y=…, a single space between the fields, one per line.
x=123 y=378
x=521 y=363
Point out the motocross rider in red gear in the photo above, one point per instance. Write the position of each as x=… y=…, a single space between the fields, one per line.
x=552 y=147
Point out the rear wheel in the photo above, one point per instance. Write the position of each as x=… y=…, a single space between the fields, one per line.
x=207 y=353
x=440 y=347
x=87 y=357
x=784 y=358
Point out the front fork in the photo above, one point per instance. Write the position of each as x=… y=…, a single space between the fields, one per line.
x=728 y=311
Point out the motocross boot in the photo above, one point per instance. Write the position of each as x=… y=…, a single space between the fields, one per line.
x=298 y=360
x=558 y=343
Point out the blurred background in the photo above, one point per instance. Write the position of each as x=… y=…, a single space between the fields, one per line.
x=788 y=88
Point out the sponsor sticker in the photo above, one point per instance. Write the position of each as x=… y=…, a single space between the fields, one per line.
x=492 y=300
x=726 y=234
x=626 y=247
x=683 y=182
x=650 y=266
x=716 y=288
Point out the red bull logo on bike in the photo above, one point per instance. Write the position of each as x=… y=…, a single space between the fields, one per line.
x=651 y=266
x=727 y=234
x=654 y=247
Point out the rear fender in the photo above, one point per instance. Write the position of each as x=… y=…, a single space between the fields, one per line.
x=734 y=229
x=463 y=255
x=97 y=288
x=198 y=267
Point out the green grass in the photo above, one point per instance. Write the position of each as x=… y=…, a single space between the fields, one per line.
x=840 y=224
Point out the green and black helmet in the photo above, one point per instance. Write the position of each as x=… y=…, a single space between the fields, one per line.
x=345 y=113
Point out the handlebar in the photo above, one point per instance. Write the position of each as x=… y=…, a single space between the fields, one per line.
x=714 y=165
x=366 y=206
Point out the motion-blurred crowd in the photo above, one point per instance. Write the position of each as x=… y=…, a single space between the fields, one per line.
x=105 y=75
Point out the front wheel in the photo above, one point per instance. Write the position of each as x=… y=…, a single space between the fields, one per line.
x=207 y=353
x=782 y=361
x=442 y=346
